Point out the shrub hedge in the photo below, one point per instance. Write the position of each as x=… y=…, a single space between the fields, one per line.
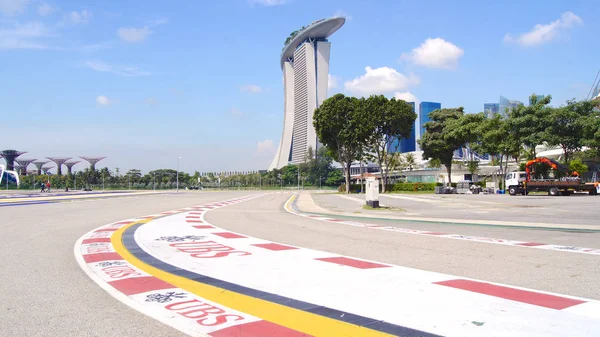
x=397 y=187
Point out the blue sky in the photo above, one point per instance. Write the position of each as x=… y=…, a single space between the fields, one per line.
x=144 y=82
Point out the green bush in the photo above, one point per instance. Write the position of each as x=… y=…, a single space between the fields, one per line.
x=412 y=187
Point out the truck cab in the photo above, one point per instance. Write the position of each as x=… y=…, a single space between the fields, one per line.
x=514 y=180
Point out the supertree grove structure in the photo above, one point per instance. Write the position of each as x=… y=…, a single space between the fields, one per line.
x=24 y=163
x=59 y=161
x=38 y=164
x=92 y=161
x=10 y=156
x=70 y=164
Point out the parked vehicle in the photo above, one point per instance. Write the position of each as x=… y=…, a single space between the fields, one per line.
x=569 y=182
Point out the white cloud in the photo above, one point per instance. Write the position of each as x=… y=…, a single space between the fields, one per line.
x=379 y=81
x=332 y=81
x=253 y=88
x=79 y=17
x=24 y=36
x=268 y=2
x=406 y=96
x=128 y=71
x=133 y=34
x=265 y=147
x=45 y=9
x=236 y=112
x=435 y=53
x=541 y=34
x=341 y=13
x=13 y=7
x=102 y=100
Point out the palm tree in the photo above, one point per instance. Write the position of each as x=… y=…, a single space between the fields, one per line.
x=410 y=161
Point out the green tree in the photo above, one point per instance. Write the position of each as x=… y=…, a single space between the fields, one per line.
x=528 y=123
x=447 y=130
x=388 y=120
x=410 y=161
x=567 y=126
x=335 y=177
x=342 y=125
x=578 y=166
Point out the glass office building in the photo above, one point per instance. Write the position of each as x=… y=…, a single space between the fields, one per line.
x=490 y=109
x=424 y=109
x=507 y=105
x=404 y=145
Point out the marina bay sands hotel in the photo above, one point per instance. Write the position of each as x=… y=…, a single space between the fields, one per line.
x=305 y=66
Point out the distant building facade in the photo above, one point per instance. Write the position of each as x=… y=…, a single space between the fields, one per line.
x=507 y=105
x=305 y=66
x=424 y=109
x=409 y=144
x=490 y=109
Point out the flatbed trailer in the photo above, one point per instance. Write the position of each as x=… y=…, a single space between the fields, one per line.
x=553 y=187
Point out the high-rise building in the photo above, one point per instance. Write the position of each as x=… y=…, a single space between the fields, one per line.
x=424 y=109
x=537 y=98
x=507 y=105
x=490 y=109
x=305 y=66
x=404 y=145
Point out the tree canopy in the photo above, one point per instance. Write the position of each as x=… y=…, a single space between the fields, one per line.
x=341 y=124
x=388 y=120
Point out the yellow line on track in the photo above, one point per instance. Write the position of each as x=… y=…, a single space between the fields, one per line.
x=295 y=319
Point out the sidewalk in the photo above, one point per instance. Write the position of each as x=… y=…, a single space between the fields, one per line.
x=306 y=203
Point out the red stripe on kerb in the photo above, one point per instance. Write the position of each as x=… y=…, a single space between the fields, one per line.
x=258 y=329
x=353 y=263
x=96 y=240
x=203 y=227
x=530 y=244
x=195 y=213
x=228 y=235
x=524 y=296
x=106 y=230
x=194 y=221
x=274 y=246
x=137 y=285
x=192 y=217
x=91 y=258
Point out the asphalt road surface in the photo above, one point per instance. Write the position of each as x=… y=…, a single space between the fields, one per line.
x=45 y=293
x=554 y=271
x=576 y=209
x=43 y=290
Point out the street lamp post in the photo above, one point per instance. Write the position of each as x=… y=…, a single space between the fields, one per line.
x=154 y=182
x=178 y=174
x=75 y=180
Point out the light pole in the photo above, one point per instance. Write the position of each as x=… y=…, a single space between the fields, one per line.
x=154 y=182
x=178 y=174
x=103 y=181
x=75 y=179
x=298 y=177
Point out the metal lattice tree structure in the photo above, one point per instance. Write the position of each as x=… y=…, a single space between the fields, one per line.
x=47 y=169
x=92 y=178
x=70 y=164
x=10 y=156
x=39 y=165
x=24 y=163
x=92 y=161
x=59 y=161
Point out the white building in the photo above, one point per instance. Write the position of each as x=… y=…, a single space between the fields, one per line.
x=305 y=66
